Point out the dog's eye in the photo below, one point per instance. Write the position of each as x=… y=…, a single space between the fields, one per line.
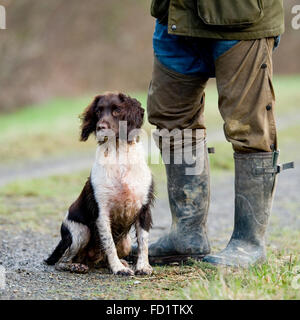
x=116 y=111
x=99 y=110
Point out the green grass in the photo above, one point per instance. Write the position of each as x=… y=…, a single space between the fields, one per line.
x=201 y=281
x=272 y=280
x=52 y=128
x=36 y=203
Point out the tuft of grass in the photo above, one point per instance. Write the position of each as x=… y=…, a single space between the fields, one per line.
x=272 y=280
x=275 y=279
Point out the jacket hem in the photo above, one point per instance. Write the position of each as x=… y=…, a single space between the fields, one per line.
x=246 y=35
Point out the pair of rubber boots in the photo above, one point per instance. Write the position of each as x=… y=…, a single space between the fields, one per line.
x=189 y=194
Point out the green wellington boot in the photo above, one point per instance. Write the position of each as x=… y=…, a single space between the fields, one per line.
x=189 y=201
x=255 y=181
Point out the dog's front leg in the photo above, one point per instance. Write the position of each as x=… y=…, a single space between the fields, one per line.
x=142 y=266
x=107 y=241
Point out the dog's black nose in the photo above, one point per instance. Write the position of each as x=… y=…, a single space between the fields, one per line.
x=102 y=126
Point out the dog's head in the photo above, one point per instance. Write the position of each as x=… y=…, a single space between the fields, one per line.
x=106 y=112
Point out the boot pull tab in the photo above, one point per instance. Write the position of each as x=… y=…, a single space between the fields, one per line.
x=275 y=157
x=280 y=167
x=211 y=150
x=284 y=166
x=276 y=168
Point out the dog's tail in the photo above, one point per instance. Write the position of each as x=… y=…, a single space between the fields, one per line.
x=63 y=245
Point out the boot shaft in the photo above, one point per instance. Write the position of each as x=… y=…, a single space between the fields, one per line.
x=187 y=170
x=255 y=181
x=189 y=194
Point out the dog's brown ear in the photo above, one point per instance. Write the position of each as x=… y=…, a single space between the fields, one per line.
x=135 y=114
x=89 y=119
x=122 y=97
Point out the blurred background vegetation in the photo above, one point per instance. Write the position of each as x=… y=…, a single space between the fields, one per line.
x=66 y=48
x=70 y=48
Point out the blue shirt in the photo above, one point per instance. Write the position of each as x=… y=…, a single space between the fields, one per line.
x=189 y=55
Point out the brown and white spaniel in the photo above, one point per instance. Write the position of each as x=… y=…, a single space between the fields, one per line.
x=117 y=195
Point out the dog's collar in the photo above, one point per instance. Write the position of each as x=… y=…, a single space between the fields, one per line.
x=105 y=139
x=134 y=141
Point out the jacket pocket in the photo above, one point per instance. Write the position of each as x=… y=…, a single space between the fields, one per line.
x=230 y=13
x=159 y=9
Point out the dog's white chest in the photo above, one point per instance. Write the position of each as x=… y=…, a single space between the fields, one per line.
x=121 y=187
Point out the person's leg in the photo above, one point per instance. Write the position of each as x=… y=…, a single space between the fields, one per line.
x=176 y=101
x=246 y=103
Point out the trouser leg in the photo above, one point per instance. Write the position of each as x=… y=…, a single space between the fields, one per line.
x=246 y=96
x=246 y=102
x=176 y=101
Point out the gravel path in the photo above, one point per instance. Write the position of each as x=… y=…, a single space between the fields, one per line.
x=22 y=253
x=45 y=167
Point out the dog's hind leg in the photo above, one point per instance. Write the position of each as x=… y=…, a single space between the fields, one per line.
x=80 y=237
x=123 y=249
x=75 y=237
x=72 y=267
x=124 y=246
x=63 y=245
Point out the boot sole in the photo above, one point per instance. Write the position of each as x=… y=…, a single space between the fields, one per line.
x=166 y=260
x=181 y=259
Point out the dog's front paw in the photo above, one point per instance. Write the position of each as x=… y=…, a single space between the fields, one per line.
x=143 y=270
x=124 y=263
x=124 y=272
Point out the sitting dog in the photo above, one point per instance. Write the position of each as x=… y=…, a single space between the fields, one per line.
x=118 y=193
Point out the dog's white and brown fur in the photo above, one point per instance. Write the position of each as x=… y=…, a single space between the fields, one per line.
x=117 y=195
